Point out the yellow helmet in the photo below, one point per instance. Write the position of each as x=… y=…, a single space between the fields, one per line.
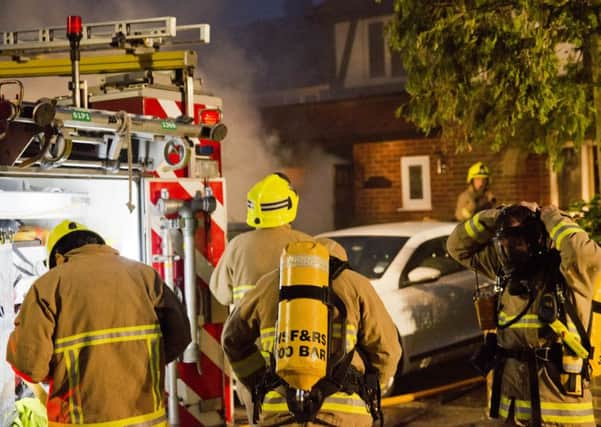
x=478 y=170
x=61 y=230
x=271 y=202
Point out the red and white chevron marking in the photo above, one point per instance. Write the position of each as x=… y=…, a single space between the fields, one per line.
x=205 y=395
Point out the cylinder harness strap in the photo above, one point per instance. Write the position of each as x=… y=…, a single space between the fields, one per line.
x=341 y=376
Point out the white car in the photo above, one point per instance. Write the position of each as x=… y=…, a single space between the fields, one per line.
x=427 y=293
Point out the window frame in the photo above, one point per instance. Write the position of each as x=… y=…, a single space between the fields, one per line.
x=425 y=203
x=373 y=73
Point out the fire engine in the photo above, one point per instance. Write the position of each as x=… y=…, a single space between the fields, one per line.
x=136 y=158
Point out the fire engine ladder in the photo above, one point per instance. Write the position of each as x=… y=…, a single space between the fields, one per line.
x=140 y=39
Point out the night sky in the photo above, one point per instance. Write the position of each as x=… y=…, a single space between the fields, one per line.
x=25 y=14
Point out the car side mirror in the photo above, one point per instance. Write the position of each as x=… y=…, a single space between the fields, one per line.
x=423 y=275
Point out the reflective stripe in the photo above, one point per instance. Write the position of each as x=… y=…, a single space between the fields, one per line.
x=153 y=351
x=563 y=229
x=159 y=371
x=529 y=321
x=249 y=365
x=71 y=346
x=339 y=402
x=351 y=335
x=239 y=291
x=526 y=321
x=273 y=206
x=552 y=412
x=157 y=418
x=267 y=333
x=309 y=261
x=105 y=336
x=72 y=365
x=572 y=367
x=267 y=340
x=473 y=226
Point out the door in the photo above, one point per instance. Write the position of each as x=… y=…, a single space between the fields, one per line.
x=343 y=196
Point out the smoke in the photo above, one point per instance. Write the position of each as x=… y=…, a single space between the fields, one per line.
x=249 y=152
x=313 y=178
x=246 y=159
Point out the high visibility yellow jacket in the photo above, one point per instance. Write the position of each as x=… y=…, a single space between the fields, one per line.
x=247 y=257
x=470 y=244
x=469 y=202
x=99 y=329
x=30 y=413
x=369 y=327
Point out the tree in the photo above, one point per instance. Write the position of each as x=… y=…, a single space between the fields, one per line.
x=500 y=72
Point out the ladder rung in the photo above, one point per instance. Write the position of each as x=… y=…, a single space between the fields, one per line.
x=159 y=31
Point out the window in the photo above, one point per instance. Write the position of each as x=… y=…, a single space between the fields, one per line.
x=377 y=62
x=371 y=255
x=432 y=253
x=363 y=57
x=415 y=183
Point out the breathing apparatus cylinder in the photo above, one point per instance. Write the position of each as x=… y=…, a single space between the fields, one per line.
x=301 y=350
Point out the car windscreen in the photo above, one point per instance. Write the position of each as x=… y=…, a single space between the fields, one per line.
x=371 y=255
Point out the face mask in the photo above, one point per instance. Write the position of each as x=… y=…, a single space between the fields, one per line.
x=513 y=251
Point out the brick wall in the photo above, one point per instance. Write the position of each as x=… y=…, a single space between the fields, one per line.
x=515 y=176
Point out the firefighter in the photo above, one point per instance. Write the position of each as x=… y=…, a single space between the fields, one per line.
x=546 y=268
x=99 y=328
x=271 y=207
x=272 y=204
x=477 y=196
x=372 y=346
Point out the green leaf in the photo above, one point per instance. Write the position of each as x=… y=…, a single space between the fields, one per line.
x=487 y=72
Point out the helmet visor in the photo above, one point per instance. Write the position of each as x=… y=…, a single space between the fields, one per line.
x=513 y=249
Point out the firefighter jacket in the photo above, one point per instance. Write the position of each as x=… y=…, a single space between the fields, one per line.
x=470 y=244
x=470 y=201
x=369 y=327
x=247 y=257
x=99 y=328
